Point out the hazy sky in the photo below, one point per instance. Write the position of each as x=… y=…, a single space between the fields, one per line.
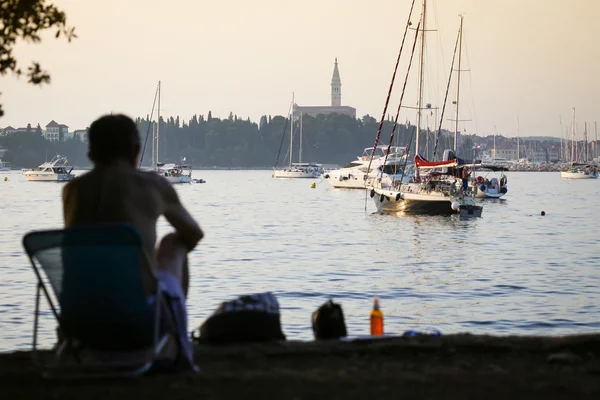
x=534 y=58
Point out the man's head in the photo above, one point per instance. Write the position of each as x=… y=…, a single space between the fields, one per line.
x=113 y=138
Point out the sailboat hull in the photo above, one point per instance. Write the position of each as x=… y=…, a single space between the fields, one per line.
x=578 y=175
x=295 y=174
x=393 y=201
x=488 y=193
x=179 y=179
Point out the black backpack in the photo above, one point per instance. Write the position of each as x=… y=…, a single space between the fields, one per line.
x=328 y=321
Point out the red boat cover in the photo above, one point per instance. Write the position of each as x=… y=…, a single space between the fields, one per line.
x=420 y=162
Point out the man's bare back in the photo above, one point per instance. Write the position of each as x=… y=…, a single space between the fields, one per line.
x=120 y=193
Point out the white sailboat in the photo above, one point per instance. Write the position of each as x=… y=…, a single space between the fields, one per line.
x=434 y=188
x=578 y=170
x=174 y=173
x=299 y=169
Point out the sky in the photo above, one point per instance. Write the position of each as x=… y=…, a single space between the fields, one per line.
x=533 y=60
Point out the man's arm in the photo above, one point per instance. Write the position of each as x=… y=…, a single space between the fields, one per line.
x=187 y=228
x=66 y=202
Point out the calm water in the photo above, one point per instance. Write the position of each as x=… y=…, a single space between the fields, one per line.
x=509 y=272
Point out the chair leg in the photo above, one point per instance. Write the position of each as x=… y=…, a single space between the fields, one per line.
x=34 y=353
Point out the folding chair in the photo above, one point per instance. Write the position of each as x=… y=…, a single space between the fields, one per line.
x=108 y=323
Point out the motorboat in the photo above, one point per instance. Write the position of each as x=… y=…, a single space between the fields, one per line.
x=486 y=184
x=358 y=174
x=55 y=170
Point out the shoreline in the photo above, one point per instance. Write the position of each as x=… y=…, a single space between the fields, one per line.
x=524 y=168
x=452 y=366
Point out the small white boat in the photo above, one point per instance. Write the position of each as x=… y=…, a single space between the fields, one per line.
x=56 y=170
x=300 y=170
x=578 y=170
x=175 y=173
x=4 y=166
x=589 y=172
x=485 y=184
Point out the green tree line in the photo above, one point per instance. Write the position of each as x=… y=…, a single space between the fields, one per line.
x=206 y=141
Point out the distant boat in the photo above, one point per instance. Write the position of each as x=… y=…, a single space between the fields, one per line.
x=174 y=173
x=578 y=170
x=4 y=166
x=299 y=169
x=56 y=170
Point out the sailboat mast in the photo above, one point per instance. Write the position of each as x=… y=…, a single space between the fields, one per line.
x=157 y=129
x=586 y=142
x=420 y=93
x=573 y=137
x=458 y=82
x=300 y=151
x=595 y=139
x=153 y=143
x=561 y=137
x=495 y=154
x=518 y=141
x=292 y=129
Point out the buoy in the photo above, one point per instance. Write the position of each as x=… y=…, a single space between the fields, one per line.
x=376 y=319
x=272 y=175
x=455 y=205
x=314 y=185
x=6 y=179
x=543 y=213
x=372 y=193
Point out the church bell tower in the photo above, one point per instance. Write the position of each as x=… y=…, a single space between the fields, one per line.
x=336 y=87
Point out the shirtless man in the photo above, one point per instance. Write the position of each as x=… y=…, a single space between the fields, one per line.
x=116 y=191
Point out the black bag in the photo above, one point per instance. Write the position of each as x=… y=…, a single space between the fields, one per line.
x=251 y=318
x=328 y=321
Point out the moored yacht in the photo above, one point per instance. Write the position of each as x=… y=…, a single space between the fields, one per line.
x=297 y=169
x=576 y=169
x=357 y=175
x=435 y=192
x=580 y=171
x=300 y=170
x=437 y=186
x=175 y=173
x=55 y=170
